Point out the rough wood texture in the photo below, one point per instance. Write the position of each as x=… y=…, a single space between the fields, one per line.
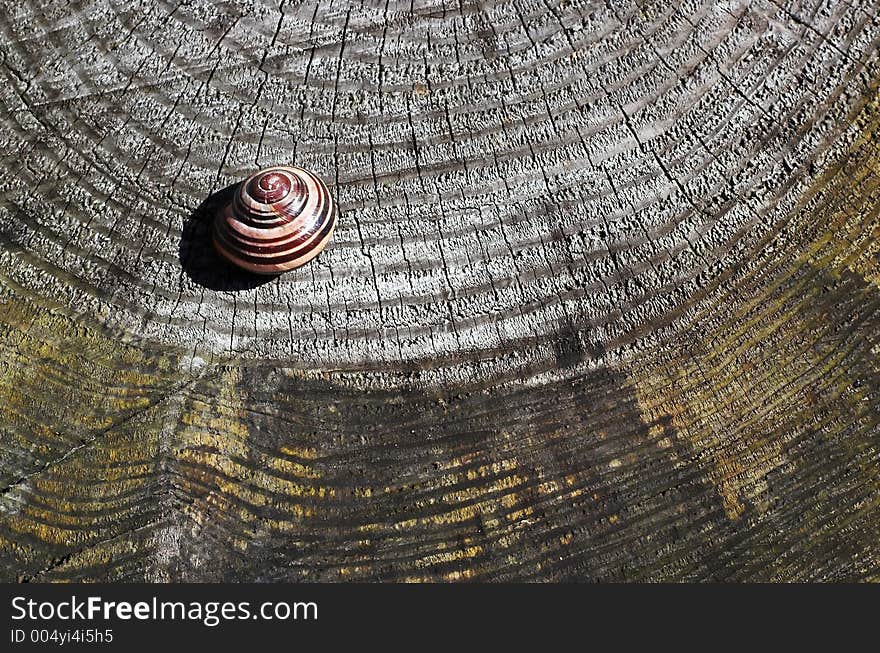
x=602 y=301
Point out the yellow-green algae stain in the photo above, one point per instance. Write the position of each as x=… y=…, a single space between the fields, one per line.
x=766 y=362
x=79 y=429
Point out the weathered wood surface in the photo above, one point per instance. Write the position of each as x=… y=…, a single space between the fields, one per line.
x=602 y=303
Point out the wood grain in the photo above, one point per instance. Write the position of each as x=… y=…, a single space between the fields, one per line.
x=602 y=301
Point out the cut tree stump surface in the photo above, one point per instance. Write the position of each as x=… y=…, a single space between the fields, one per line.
x=602 y=302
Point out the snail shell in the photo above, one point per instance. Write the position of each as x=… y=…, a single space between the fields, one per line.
x=279 y=219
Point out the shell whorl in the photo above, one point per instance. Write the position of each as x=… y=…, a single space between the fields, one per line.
x=280 y=218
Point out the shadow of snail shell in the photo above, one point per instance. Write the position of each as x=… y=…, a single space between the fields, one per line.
x=279 y=219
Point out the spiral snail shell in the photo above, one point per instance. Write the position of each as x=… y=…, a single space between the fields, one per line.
x=280 y=218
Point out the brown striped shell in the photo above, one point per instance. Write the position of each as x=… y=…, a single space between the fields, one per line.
x=279 y=219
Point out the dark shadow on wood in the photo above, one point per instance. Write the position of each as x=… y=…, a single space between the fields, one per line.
x=200 y=260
